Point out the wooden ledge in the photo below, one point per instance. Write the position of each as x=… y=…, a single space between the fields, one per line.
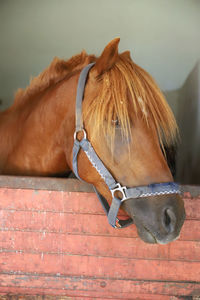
x=45 y=183
x=63 y=184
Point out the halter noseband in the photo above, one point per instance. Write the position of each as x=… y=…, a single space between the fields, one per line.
x=127 y=193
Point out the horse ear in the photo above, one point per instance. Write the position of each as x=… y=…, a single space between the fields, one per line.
x=107 y=58
x=126 y=54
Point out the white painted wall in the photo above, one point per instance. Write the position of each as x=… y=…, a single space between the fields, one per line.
x=163 y=36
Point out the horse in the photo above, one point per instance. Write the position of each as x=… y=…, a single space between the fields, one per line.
x=127 y=121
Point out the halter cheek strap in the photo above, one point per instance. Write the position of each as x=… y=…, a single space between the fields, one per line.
x=113 y=186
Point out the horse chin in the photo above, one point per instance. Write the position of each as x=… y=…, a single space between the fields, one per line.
x=148 y=237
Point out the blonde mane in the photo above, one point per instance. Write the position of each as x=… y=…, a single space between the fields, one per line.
x=54 y=73
x=128 y=91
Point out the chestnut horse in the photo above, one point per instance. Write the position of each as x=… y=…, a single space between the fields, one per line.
x=127 y=122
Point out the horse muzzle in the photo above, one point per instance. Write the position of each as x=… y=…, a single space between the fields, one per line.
x=158 y=219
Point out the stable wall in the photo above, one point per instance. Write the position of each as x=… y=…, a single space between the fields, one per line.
x=55 y=240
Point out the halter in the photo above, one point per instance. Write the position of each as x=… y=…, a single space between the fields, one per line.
x=114 y=187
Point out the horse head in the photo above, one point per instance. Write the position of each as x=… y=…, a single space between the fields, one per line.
x=127 y=121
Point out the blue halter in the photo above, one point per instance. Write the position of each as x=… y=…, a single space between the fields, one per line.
x=114 y=187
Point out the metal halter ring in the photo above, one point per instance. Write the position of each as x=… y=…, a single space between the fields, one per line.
x=121 y=189
x=84 y=134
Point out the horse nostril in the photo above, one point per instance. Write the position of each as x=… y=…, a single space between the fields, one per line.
x=169 y=220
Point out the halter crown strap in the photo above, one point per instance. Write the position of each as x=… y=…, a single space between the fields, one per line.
x=114 y=187
x=80 y=94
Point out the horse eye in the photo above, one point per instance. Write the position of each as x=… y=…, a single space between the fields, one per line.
x=116 y=123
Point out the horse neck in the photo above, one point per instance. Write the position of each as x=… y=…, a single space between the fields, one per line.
x=39 y=134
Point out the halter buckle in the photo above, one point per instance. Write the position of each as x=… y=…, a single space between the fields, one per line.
x=121 y=189
x=117 y=224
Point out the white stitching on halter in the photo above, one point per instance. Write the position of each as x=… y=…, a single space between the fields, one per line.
x=94 y=165
x=160 y=193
